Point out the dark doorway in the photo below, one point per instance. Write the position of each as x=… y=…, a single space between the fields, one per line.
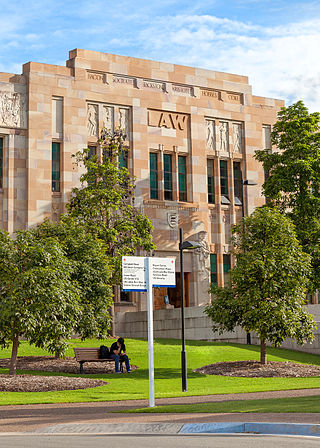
x=175 y=293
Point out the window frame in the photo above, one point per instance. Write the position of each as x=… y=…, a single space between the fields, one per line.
x=213 y=272
x=182 y=178
x=226 y=267
x=156 y=173
x=224 y=186
x=167 y=192
x=210 y=181
x=55 y=183
x=237 y=183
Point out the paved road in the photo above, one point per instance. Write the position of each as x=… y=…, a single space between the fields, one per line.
x=156 y=441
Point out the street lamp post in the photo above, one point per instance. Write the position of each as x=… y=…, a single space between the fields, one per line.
x=246 y=183
x=182 y=246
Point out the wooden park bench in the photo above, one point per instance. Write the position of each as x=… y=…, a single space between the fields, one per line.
x=91 y=354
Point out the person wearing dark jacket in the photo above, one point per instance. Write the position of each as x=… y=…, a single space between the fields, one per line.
x=117 y=352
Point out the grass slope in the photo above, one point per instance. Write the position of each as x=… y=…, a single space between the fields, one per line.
x=167 y=372
x=273 y=405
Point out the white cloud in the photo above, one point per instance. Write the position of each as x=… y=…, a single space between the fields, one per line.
x=280 y=62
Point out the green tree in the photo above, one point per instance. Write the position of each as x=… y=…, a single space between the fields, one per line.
x=267 y=287
x=105 y=204
x=38 y=300
x=90 y=272
x=293 y=183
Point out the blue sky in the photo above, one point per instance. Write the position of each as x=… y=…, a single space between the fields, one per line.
x=276 y=43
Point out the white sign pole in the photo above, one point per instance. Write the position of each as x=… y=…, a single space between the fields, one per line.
x=142 y=274
x=150 y=330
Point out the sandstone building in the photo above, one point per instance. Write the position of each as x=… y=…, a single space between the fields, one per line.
x=192 y=134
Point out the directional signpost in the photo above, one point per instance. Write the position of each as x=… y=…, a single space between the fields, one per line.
x=142 y=274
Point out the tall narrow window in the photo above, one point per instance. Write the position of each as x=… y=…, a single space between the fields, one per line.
x=55 y=167
x=266 y=136
x=123 y=159
x=210 y=171
x=1 y=162
x=167 y=164
x=226 y=267
x=237 y=183
x=182 y=173
x=224 y=182
x=154 y=192
x=92 y=152
x=213 y=269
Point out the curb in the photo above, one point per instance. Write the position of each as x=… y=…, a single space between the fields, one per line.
x=252 y=428
x=301 y=429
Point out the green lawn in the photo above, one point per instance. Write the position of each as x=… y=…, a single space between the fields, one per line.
x=298 y=404
x=167 y=373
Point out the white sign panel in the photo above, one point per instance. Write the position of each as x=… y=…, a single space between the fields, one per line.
x=134 y=274
x=163 y=272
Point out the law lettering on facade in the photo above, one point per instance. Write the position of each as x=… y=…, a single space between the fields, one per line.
x=169 y=120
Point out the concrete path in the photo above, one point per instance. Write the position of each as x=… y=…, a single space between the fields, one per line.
x=37 y=418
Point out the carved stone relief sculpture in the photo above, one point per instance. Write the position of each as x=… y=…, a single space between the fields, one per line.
x=108 y=120
x=201 y=266
x=237 y=137
x=173 y=218
x=13 y=110
x=202 y=253
x=92 y=120
x=124 y=120
x=223 y=136
x=210 y=134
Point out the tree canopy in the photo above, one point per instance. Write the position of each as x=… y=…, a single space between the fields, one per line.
x=293 y=182
x=267 y=288
x=105 y=202
x=38 y=300
x=90 y=272
x=54 y=283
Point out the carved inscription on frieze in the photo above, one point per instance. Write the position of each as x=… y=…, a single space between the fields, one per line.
x=13 y=110
x=169 y=120
x=153 y=85
x=234 y=98
x=123 y=80
x=227 y=97
x=211 y=93
x=96 y=76
x=182 y=90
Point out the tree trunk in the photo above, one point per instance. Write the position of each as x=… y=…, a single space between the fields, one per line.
x=263 y=351
x=14 y=355
x=113 y=328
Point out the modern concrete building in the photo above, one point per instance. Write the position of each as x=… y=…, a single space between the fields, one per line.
x=192 y=134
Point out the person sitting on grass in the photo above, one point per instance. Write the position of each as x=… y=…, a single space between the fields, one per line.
x=118 y=353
